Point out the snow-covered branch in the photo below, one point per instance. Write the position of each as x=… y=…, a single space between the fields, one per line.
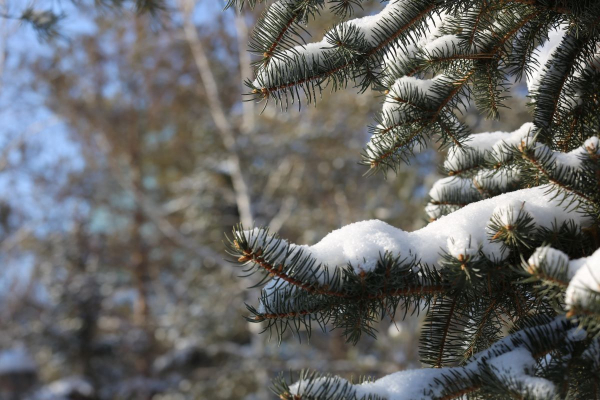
x=509 y=366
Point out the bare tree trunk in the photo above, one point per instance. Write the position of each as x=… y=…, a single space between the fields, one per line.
x=88 y=304
x=139 y=257
x=140 y=263
x=240 y=188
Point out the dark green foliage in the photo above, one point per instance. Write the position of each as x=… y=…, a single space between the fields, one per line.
x=151 y=6
x=349 y=58
x=478 y=378
x=516 y=236
x=471 y=299
x=281 y=28
x=333 y=388
x=303 y=291
x=499 y=43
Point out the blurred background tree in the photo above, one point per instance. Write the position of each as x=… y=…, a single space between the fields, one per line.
x=126 y=153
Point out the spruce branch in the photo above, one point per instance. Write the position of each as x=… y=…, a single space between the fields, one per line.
x=507 y=195
x=299 y=290
x=416 y=115
x=573 y=50
x=345 y=8
x=310 y=71
x=241 y=3
x=541 y=159
x=281 y=26
x=491 y=372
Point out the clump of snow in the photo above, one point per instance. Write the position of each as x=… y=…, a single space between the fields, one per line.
x=486 y=143
x=313 y=54
x=396 y=58
x=410 y=384
x=496 y=179
x=592 y=145
x=435 y=211
x=517 y=367
x=369 y=25
x=360 y=243
x=310 y=56
x=571 y=160
x=402 y=53
x=496 y=147
x=577 y=335
x=402 y=385
x=405 y=85
x=549 y=257
x=479 y=142
x=487 y=140
x=508 y=213
x=401 y=90
x=445 y=46
x=445 y=187
x=509 y=359
x=363 y=243
x=500 y=150
x=462 y=246
x=585 y=281
x=583 y=274
x=463 y=187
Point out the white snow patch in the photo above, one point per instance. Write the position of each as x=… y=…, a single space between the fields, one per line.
x=451 y=183
x=403 y=53
x=550 y=257
x=461 y=245
x=369 y=25
x=586 y=280
x=363 y=243
x=403 y=385
x=505 y=357
x=486 y=142
x=313 y=52
x=446 y=46
x=310 y=54
x=400 y=89
x=518 y=366
x=509 y=212
x=521 y=135
x=496 y=179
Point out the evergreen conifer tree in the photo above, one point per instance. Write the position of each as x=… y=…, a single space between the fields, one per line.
x=508 y=270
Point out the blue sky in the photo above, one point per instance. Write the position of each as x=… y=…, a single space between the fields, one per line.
x=25 y=119
x=24 y=116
